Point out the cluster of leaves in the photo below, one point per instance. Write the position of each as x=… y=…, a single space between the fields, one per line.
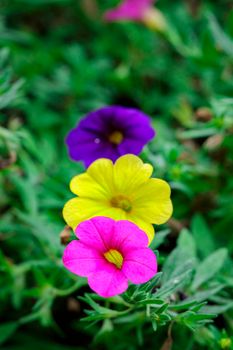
x=177 y=296
x=59 y=60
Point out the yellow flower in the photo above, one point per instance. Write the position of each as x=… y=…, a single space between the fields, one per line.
x=121 y=191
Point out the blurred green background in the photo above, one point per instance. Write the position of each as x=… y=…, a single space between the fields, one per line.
x=58 y=61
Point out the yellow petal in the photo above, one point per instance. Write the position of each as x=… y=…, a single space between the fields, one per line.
x=129 y=173
x=152 y=202
x=114 y=213
x=85 y=186
x=77 y=210
x=101 y=171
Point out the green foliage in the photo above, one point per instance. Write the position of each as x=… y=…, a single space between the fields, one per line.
x=58 y=61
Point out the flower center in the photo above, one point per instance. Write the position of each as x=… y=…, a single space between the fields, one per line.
x=116 y=137
x=121 y=202
x=114 y=257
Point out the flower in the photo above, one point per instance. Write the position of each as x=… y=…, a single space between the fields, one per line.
x=110 y=253
x=121 y=191
x=129 y=10
x=109 y=132
x=138 y=10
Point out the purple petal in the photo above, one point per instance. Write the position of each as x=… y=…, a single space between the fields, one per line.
x=90 y=139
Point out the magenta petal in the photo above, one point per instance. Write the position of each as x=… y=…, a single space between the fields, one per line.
x=108 y=282
x=140 y=265
x=81 y=259
x=96 y=232
x=129 y=9
x=128 y=236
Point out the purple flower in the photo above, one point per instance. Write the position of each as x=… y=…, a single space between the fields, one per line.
x=109 y=132
x=129 y=10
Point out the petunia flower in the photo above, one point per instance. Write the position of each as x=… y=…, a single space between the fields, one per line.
x=121 y=191
x=109 y=132
x=137 y=10
x=110 y=254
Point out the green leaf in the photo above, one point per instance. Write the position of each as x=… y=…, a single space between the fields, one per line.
x=181 y=259
x=202 y=236
x=218 y=309
x=7 y=330
x=197 y=133
x=209 y=267
x=186 y=242
x=203 y=295
x=194 y=320
x=159 y=239
x=221 y=38
x=176 y=283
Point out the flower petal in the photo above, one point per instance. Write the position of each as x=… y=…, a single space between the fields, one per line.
x=96 y=232
x=128 y=236
x=88 y=151
x=139 y=265
x=128 y=10
x=129 y=173
x=85 y=186
x=144 y=226
x=77 y=210
x=108 y=282
x=114 y=213
x=101 y=171
x=129 y=146
x=82 y=260
x=152 y=202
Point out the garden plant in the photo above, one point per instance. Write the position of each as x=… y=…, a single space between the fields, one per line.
x=116 y=163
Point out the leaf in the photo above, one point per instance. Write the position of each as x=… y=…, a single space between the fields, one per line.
x=202 y=236
x=197 y=133
x=203 y=295
x=218 y=309
x=181 y=258
x=186 y=241
x=222 y=40
x=194 y=320
x=209 y=267
x=159 y=238
x=176 y=283
x=7 y=330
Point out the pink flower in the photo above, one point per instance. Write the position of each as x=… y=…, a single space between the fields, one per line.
x=129 y=10
x=109 y=253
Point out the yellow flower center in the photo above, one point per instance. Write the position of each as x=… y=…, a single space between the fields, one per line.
x=114 y=257
x=116 y=137
x=121 y=202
